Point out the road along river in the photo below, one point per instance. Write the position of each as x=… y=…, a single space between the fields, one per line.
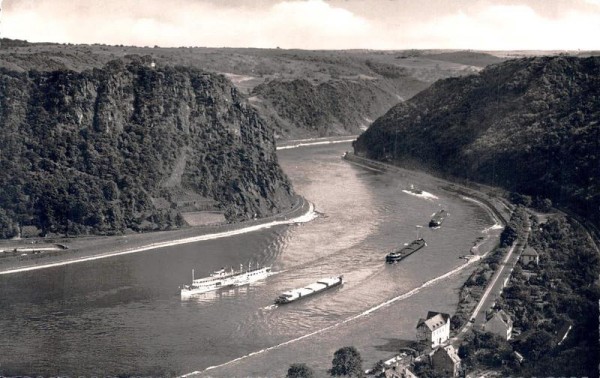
x=123 y=315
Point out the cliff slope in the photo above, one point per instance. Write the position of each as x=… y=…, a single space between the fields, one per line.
x=131 y=146
x=528 y=125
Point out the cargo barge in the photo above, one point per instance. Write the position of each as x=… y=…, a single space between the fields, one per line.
x=438 y=218
x=312 y=289
x=397 y=256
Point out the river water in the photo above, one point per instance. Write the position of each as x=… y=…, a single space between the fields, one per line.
x=123 y=315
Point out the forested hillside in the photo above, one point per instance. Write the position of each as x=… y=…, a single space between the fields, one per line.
x=336 y=107
x=299 y=93
x=529 y=125
x=129 y=146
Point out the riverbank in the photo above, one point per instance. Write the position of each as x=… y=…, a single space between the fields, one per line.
x=286 y=145
x=75 y=250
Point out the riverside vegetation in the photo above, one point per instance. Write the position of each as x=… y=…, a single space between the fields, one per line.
x=544 y=300
x=527 y=125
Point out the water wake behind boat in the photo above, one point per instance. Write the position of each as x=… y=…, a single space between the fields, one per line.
x=424 y=195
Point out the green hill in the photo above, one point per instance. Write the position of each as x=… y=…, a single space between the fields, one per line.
x=129 y=146
x=529 y=125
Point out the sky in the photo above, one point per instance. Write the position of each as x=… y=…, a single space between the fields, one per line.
x=310 y=24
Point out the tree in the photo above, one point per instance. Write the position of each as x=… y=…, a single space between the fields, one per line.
x=346 y=361
x=542 y=204
x=378 y=369
x=300 y=370
x=537 y=344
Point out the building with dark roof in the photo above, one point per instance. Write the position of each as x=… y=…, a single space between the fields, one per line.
x=530 y=256
x=445 y=361
x=499 y=323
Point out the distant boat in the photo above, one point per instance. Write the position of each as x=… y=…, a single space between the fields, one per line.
x=397 y=256
x=414 y=190
x=312 y=289
x=224 y=279
x=438 y=218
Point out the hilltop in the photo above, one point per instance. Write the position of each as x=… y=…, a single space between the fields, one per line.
x=529 y=125
x=299 y=93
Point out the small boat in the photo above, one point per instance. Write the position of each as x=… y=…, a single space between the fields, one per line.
x=224 y=279
x=312 y=289
x=438 y=218
x=397 y=256
x=414 y=190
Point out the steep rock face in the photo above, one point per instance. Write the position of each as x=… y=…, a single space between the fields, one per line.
x=529 y=125
x=126 y=145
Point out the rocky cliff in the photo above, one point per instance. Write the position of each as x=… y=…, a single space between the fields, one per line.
x=529 y=125
x=299 y=93
x=129 y=146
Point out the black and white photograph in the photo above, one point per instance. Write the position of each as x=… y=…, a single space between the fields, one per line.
x=300 y=188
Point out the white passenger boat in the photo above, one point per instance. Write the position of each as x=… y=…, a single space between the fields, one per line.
x=223 y=279
x=312 y=289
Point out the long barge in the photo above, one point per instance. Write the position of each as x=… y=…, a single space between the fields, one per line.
x=312 y=289
x=397 y=256
x=438 y=218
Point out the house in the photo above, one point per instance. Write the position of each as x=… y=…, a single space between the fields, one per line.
x=399 y=370
x=530 y=256
x=499 y=323
x=445 y=361
x=434 y=330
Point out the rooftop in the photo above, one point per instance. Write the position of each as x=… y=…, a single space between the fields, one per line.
x=434 y=320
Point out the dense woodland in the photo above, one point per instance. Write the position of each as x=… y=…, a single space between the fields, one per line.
x=543 y=301
x=336 y=107
x=528 y=125
x=111 y=149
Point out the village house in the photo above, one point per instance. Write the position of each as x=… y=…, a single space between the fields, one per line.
x=399 y=370
x=499 y=323
x=445 y=361
x=530 y=256
x=434 y=330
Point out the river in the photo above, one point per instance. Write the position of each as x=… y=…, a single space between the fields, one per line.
x=123 y=315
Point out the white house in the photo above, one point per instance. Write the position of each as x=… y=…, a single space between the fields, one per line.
x=435 y=329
